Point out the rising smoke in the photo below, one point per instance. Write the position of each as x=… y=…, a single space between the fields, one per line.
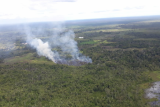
x=58 y=47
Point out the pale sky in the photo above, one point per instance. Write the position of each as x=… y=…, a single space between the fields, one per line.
x=17 y=11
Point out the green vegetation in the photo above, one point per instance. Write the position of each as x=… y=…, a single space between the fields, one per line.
x=89 y=42
x=126 y=60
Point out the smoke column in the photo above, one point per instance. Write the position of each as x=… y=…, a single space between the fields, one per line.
x=59 y=38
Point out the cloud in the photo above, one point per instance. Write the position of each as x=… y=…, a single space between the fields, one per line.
x=74 y=9
x=64 y=0
x=116 y=9
x=139 y=7
x=101 y=11
x=135 y=7
x=53 y=0
x=128 y=8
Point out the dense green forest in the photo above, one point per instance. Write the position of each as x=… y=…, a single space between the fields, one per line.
x=126 y=60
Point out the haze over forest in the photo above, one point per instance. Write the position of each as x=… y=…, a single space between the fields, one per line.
x=79 y=53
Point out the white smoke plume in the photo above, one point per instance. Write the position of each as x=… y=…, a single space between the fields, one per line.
x=59 y=38
x=43 y=49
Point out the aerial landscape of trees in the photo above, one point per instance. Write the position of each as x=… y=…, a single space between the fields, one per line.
x=124 y=56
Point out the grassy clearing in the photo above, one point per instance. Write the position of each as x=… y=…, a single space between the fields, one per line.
x=109 y=30
x=105 y=41
x=147 y=31
x=28 y=58
x=89 y=42
x=94 y=42
x=149 y=21
x=99 y=37
x=146 y=39
x=155 y=75
x=42 y=61
x=24 y=58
